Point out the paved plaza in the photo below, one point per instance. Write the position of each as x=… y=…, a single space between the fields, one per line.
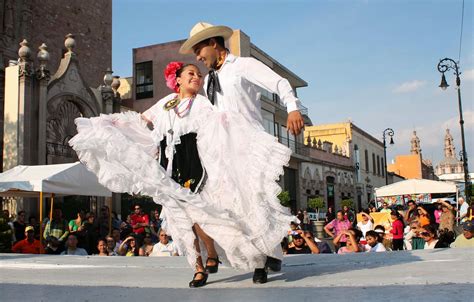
x=423 y=275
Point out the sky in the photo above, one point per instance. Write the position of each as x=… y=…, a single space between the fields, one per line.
x=371 y=62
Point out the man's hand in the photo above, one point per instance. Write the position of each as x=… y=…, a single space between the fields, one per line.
x=295 y=122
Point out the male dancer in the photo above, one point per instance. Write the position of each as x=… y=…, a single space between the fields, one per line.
x=231 y=85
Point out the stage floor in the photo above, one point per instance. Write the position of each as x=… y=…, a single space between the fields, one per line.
x=423 y=275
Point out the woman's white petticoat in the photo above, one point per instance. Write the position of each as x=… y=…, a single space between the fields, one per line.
x=238 y=206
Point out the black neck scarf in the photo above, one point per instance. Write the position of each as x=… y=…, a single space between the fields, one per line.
x=213 y=86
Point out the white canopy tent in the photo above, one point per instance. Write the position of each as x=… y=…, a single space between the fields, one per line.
x=416 y=186
x=50 y=180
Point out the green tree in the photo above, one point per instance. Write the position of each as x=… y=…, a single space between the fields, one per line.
x=284 y=198
x=316 y=203
x=347 y=202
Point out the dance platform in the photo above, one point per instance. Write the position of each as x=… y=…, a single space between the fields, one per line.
x=423 y=275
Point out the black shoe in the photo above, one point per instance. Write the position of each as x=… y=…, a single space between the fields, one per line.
x=198 y=283
x=260 y=275
x=212 y=269
x=273 y=264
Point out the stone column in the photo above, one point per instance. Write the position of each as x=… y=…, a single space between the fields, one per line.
x=42 y=75
x=27 y=129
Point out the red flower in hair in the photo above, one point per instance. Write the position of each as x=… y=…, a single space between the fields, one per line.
x=170 y=75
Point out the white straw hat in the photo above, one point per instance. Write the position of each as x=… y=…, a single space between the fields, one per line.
x=202 y=31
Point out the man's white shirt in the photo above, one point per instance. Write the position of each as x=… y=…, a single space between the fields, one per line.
x=238 y=78
x=160 y=249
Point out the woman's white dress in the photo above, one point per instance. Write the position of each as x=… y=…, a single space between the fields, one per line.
x=237 y=206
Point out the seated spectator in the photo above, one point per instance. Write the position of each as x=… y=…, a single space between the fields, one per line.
x=352 y=244
x=29 y=245
x=409 y=233
x=34 y=223
x=329 y=215
x=438 y=211
x=71 y=247
x=53 y=247
x=129 y=247
x=367 y=224
x=412 y=212
x=349 y=214
x=58 y=227
x=338 y=227
x=155 y=225
x=323 y=246
x=147 y=247
x=19 y=226
x=380 y=230
x=164 y=247
x=139 y=221
x=373 y=244
x=117 y=239
x=385 y=208
x=429 y=234
x=303 y=243
x=102 y=248
x=111 y=246
x=466 y=238
x=91 y=233
x=294 y=227
x=6 y=232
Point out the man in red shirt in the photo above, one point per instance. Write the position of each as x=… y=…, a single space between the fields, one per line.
x=29 y=245
x=139 y=221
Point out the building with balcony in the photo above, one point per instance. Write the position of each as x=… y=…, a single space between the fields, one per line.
x=365 y=154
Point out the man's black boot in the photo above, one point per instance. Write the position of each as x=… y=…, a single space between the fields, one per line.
x=260 y=275
x=273 y=264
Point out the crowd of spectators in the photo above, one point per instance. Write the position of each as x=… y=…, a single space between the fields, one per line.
x=108 y=235
x=415 y=226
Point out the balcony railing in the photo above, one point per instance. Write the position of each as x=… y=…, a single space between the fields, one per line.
x=296 y=147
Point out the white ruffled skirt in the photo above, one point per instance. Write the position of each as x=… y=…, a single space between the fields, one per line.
x=238 y=206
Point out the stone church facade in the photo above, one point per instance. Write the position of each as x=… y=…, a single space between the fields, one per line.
x=47 y=21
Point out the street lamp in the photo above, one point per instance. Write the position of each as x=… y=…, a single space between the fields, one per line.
x=443 y=66
x=389 y=132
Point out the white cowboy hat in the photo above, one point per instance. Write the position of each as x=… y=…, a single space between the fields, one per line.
x=202 y=31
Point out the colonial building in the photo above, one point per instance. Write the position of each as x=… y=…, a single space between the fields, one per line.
x=40 y=108
x=328 y=173
x=364 y=151
x=47 y=21
x=413 y=165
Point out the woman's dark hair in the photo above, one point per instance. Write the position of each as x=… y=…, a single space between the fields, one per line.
x=357 y=234
x=372 y=234
x=179 y=71
x=380 y=235
x=431 y=228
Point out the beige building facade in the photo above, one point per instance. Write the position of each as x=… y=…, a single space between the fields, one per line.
x=366 y=155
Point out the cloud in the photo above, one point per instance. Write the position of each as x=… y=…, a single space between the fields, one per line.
x=409 y=86
x=468 y=75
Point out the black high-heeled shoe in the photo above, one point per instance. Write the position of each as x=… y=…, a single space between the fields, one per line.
x=212 y=269
x=200 y=282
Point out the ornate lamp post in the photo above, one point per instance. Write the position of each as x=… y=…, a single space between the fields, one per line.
x=389 y=132
x=443 y=66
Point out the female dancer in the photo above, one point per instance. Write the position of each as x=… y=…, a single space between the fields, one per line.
x=216 y=173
